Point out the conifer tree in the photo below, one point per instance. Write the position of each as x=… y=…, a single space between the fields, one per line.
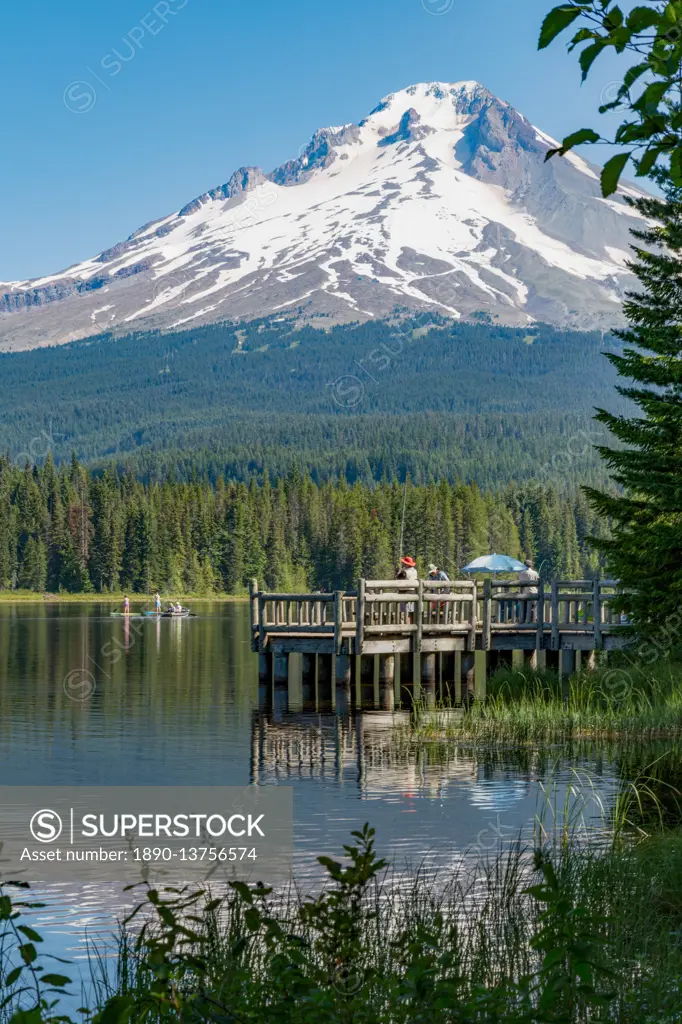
x=33 y=571
x=645 y=549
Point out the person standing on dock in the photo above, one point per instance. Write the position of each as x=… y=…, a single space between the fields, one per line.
x=527 y=579
x=157 y=600
x=436 y=575
x=408 y=571
x=126 y=605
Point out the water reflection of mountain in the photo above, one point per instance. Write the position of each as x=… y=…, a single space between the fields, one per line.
x=372 y=750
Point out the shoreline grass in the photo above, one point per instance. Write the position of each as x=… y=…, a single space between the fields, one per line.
x=530 y=707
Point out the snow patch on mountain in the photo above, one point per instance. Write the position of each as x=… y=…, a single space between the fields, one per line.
x=439 y=199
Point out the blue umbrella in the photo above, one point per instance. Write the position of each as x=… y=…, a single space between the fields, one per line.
x=494 y=563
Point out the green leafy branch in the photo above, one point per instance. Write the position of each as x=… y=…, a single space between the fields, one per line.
x=651 y=133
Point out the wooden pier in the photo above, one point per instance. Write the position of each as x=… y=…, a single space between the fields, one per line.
x=457 y=628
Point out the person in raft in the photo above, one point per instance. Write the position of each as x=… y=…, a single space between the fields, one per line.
x=157 y=600
x=126 y=605
x=408 y=571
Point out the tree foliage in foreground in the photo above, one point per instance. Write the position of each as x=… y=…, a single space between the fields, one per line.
x=645 y=549
x=650 y=93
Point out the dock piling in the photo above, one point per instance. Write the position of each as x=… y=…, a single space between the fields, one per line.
x=387 y=682
x=264 y=668
x=324 y=680
x=428 y=678
x=281 y=669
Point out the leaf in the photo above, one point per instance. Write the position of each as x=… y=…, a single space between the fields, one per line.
x=28 y=952
x=613 y=19
x=576 y=139
x=632 y=74
x=555 y=23
x=589 y=55
x=13 y=976
x=56 y=980
x=640 y=18
x=676 y=167
x=30 y=933
x=118 y=1010
x=646 y=162
x=243 y=891
x=252 y=919
x=651 y=97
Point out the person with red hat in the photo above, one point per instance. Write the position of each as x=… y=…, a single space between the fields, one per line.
x=408 y=571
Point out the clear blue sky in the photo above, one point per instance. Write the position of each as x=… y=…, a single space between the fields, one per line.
x=213 y=84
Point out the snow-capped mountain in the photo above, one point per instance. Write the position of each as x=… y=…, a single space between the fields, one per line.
x=440 y=199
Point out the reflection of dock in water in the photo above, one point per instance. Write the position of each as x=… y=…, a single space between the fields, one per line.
x=370 y=751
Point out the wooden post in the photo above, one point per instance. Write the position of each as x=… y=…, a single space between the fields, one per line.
x=342 y=670
x=474 y=620
x=540 y=634
x=407 y=679
x=447 y=677
x=343 y=695
x=360 y=618
x=367 y=681
x=555 y=616
x=308 y=678
x=458 y=678
x=428 y=678
x=281 y=669
x=480 y=675
x=324 y=680
x=264 y=667
x=596 y=613
x=567 y=664
x=261 y=623
x=487 y=614
x=419 y=614
x=468 y=675
x=253 y=605
x=387 y=682
x=338 y=621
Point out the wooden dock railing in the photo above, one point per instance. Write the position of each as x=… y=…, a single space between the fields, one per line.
x=393 y=616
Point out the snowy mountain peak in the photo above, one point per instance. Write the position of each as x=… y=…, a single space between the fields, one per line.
x=439 y=199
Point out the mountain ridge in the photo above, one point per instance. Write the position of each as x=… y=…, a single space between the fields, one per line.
x=440 y=199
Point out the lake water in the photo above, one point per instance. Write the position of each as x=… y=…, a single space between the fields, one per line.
x=92 y=699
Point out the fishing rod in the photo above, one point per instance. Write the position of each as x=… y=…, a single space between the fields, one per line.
x=402 y=524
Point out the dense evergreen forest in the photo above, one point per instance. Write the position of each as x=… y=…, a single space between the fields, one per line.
x=373 y=401
x=66 y=528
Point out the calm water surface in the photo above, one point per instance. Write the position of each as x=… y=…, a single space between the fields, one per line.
x=88 y=698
